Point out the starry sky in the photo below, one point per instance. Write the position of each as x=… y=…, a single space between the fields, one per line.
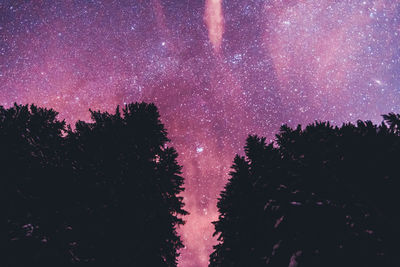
x=217 y=69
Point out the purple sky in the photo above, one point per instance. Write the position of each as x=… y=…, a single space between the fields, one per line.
x=218 y=71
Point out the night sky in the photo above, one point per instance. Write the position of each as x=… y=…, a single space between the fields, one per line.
x=217 y=69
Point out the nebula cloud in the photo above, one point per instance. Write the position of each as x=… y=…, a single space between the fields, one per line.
x=215 y=22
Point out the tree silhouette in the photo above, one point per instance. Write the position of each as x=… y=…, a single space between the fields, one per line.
x=103 y=194
x=319 y=196
x=33 y=189
x=393 y=120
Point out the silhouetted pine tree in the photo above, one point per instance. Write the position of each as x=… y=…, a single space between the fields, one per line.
x=319 y=196
x=103 y=194
x=33 y=187
x=128 y=184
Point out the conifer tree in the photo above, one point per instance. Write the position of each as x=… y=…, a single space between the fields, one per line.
x=33 y=187
x=318 y=196
x=103 y=194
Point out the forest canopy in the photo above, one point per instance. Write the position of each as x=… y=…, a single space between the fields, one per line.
x=103 y=194
x=107 y=193
x=317 y=196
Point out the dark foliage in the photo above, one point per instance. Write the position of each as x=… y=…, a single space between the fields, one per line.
x=319 y=196
x=104 y=194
